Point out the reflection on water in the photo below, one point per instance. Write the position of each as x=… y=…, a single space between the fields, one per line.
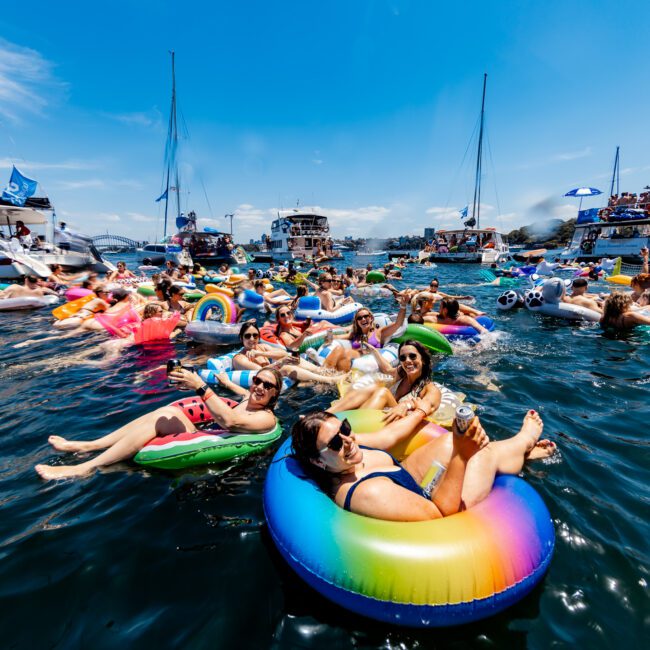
x=139 y=558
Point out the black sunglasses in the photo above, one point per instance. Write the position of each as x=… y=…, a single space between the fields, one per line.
x=268 y=385
x=336 y=443
x=411 y=356
x=251 y=335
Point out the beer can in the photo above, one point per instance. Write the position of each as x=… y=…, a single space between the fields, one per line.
x=464 y=416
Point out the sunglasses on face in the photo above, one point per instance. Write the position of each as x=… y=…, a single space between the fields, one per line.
x=251 y=335
x=336 y=443
x=285 y=314
x=268 y=385
x=364 y=317
x=411 y=356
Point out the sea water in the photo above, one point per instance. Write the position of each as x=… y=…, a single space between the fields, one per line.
x=139 y=558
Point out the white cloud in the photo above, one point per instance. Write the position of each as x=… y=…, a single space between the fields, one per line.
x=139 y=118
x=26 y=80
x=572 y=155
x=75 y=165
x=142 y=218
x=88 y=184
x=317 y=161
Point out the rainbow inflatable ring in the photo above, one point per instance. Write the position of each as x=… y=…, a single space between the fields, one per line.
x=449 y=571
x=462 y=331
x=218 y=301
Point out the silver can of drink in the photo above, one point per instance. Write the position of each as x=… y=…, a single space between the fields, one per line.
x=463 y=418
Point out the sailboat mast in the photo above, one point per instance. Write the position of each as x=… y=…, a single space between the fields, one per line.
x=615 y=174
x=172 y=141
x=476 y=205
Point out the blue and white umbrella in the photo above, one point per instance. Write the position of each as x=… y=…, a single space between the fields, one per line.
x=581 y=192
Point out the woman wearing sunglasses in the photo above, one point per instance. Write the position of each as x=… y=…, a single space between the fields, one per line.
x=256 y=355
x=363 y=333
x=331 y=297
x=449 y=313
x=252 y=415
x=412 y=381
x=368 y=480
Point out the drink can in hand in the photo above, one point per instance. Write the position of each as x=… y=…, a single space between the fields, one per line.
x=464 y=417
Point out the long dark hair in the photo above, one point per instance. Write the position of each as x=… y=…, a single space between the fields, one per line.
x=451 y=305
x=356 y=334
x=301 y=292
x=303 y=447
x=427 y=366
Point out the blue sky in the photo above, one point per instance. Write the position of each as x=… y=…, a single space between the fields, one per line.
x=363 y=109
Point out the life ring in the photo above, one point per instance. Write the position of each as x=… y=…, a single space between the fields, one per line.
x=310 y=307
x=215 y=301
x=448 y=571
x=215 y=288
x=372 y=277
x=605 y=213
x=430 y=338
x=202 y=447
x=453 y=332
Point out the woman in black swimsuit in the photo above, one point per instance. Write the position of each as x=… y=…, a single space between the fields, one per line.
x=369 y=481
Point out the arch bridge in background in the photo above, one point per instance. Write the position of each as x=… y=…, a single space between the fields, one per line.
x=115 y=244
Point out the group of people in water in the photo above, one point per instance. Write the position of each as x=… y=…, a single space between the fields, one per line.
x=364 y=478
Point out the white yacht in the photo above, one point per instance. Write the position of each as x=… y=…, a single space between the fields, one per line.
x=35 y=254
x=299 y=236
x=470 y=245
x=615 y=237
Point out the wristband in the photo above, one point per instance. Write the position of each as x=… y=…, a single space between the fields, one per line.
x=424 y=413
x=207 y=395
x=201 y=390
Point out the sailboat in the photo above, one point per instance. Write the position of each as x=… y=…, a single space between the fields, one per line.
x=471 y=244
x=208 y=247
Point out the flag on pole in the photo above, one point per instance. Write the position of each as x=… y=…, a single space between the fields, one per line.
x=162 y=197
x=20 y=188
x=463 y=212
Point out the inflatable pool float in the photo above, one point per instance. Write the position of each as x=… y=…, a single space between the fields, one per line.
x=547 y=300
x=203 y=447
x=77 y=292
x=315 y=340
x=154 y=330
x=27 y=302
x=509 y=300
x=624 y=280
x=71 y=308
x=453 y=332
x=310 y=307
x=430 y=338
x=443 y=416
x=448 y=571
x=221 y=305
x=212 y=331
x=209 y=279
x=120 y=323
x=372 y=291
x=243 y=378
x=373 y=277
x=146 y=289
x=216 y=288
x=365 y=363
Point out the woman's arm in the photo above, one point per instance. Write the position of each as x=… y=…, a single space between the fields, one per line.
x=396 y=431
x=383 y=365
x=385 y=333
x=231 y=386
x=472 y=322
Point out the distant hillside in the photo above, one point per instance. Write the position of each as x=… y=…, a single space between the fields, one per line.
x=553 y=233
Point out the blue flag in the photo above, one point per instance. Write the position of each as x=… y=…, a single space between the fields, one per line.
x=463 y=212
x=20 y=188
x=162 y=197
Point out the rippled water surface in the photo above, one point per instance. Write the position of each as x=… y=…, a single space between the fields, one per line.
x=154 y=559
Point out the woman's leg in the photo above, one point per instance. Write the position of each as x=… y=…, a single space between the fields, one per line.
x=302 y=374
x=380 y=399
x=121 y=444
x=353 y=399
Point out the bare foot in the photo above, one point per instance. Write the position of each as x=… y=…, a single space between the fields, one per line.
x=531 y=429
x=542 y=449
x=61 y=444
x=50 y=472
